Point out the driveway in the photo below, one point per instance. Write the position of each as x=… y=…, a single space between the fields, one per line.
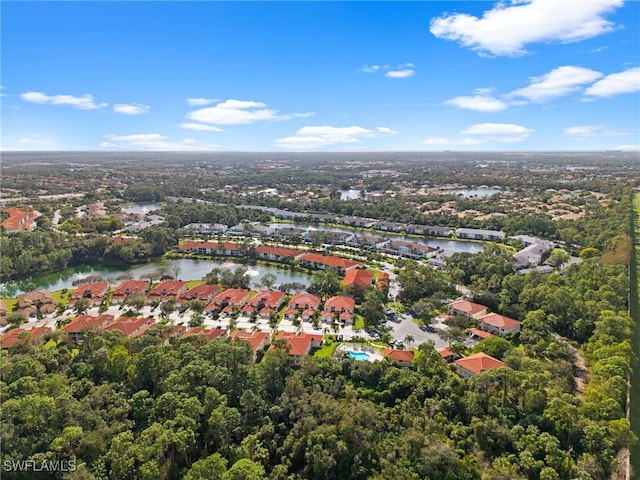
x=408 y=327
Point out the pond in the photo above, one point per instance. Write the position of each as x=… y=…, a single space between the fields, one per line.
x=351 y=194
x=141 y=208
x=187 y=269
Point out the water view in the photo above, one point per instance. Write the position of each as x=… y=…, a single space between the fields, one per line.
x=475 y=192
x=186 y=269
x=141 y=208
x=350 y=194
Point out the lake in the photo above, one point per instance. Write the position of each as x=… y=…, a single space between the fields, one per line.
x=351 y=194
x=141 y=208
x=475 y=192
x=188 y=269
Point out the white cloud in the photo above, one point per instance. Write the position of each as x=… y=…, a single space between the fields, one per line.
x=497 y=129
x=34 y=141
x=84 y=102
x=236 y=112
x=628 y=148
x=155 y=142
x=559 y=81
x=616 y=84
x=400 y=73
x=311 y=137
x=131 y=108
x=200 y=126
x=439 y=141
x=404 y=70
x=198 y=102
x=587 y=131
x=508 y=28
x=479 y=103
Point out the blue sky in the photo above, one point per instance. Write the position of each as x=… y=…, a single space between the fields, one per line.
x=321 y=76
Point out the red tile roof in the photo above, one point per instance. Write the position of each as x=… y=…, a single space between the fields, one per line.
x=499 y=321
x=256 y=339
x=357 y=277
x=131 y=326
x=467 y=307
x=304 y=300
x=231 y=296
x=480 y=333
x=299 y=344
x=209 y=333
x=479 y=362
x=331 y=261
x=129 y=287
x=168 y=288
x=201 y=292
x=92 y=289
x=86 y=322
x=398 y=355
x=446 y=352
x=270 y=298
x=10 y=338
x=339 y=303
x=19 y=219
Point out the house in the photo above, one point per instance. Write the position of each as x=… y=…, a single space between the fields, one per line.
x=209 y=333
x=476 y=363
x=232 y=297
x=479 y=234
x=299 y=345
x=357 y=221
x=475 y=334
x=304 y=303
x=447 y=354
x=92 y=291
x=438 y=231
x=499 y=324
x=415 y=229
x=127 y=288
x=270 y=299
x=257 y=340
x=368 y=241
x=358 y=278
x=130 y=327
x=199 y=248
x=388 y=226
x=205 y=229
x=532 y=254
x=28 y=303
x=9 y=339
x=166 y=290
x=203 y=292
x=288 y=232
x=76 y=328
x=322 y=262
x=408 y=249
x=342 y=306
x=400 y=358
x=147 y=222
x=277 y=254
x=20 y=220
x=467 y=309
x=337 y=238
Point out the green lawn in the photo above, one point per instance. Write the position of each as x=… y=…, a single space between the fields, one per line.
x=327 y=350
x=10 y=303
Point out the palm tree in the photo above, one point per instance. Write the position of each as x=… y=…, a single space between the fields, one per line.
x=408 y=339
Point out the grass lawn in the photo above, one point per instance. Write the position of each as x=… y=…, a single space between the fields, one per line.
x=10 y=303
x=194 y=283
x=326 y=351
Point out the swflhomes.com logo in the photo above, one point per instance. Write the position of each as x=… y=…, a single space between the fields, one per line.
x=39 y=466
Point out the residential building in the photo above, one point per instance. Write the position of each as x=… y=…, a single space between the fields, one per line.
x=232 y=297
x=479 y=234
x=343 y=307
x=76 y=329
x=277 y=254
x=9 y=339
x=127 y=288
x=258 y=340
x=467 y=309
x=318 y=261
x=166 y=290
x=476 y=363
x=92 y=291
x=299 y=345
x=203 y=292
x=20 y=220
x=399 y=358
x=28 y=303
x=130 y=326
x=358 y=278
x=499 y=324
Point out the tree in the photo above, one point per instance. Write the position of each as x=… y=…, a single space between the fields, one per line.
x=81 y=306
x=15 y=319
x=245 y=469
x=268 y=280
x=372 y=308
x=408 y=339
x=325 y=283
x=214 y=466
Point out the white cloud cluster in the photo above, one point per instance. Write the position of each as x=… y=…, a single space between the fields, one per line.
x=486 y=132
x=154 y=142
x=507 y=28
x=589 y=131
x=200 y=127
x=34 y=141
x=403 y=70
x=131 y=108
x=312 y=137
x=558 y=82
x=238 y=112
x=616 y=84
x=198 y=102
x=85 y=102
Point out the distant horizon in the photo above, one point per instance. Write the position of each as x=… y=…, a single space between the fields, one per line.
x=310 y=76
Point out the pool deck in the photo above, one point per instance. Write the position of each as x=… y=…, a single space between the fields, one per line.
x=374 y=354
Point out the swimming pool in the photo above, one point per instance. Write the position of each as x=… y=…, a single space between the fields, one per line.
x=359 y=356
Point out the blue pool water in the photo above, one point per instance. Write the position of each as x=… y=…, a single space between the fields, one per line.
x=359 y=356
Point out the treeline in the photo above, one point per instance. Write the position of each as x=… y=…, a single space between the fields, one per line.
x=29 y=253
